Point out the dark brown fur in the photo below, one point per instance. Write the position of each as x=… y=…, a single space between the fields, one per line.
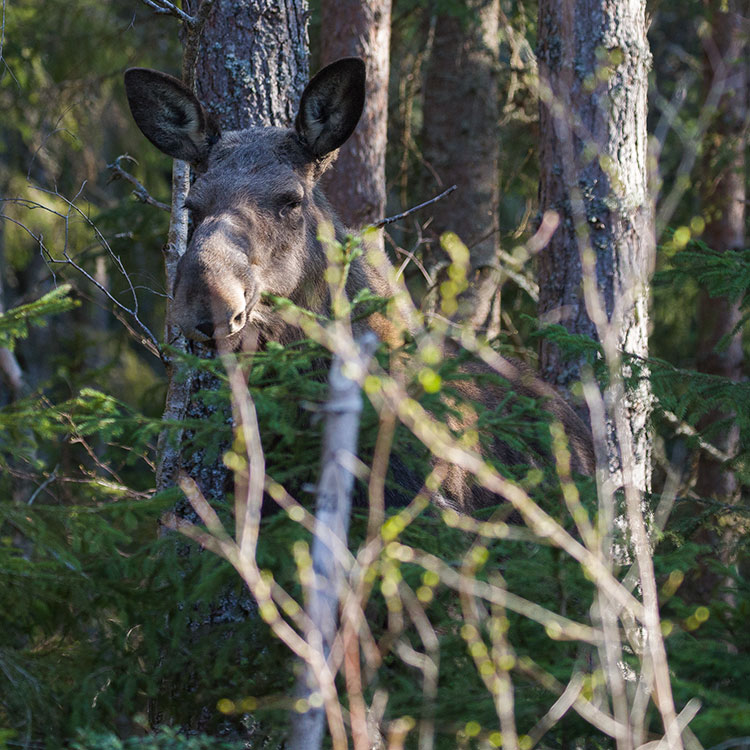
x=256 y=210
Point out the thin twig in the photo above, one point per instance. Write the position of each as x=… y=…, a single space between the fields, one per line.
x=398 y=217
x=165 y=8
x=51 y=478
x=140 y=192
x=148 y=339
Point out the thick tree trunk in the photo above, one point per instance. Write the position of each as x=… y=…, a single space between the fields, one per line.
x=251 y=70
x=724 y=199
x=593 y=66
x=461 y=147
x=253 y=62
x=356 y=183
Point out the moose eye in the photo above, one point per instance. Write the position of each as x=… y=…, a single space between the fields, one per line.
x=290 y=205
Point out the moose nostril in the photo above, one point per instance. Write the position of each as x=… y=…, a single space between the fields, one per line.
x=206 y=328
x=237 y=322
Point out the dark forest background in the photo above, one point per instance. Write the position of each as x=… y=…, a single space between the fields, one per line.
x=109 y=633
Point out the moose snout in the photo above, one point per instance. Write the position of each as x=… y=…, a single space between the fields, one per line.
x=212 y=302
x=215 y=328
x=217 y=316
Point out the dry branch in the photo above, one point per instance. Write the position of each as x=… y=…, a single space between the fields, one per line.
x=404 y=214
x=140 y=192
x=332 y=521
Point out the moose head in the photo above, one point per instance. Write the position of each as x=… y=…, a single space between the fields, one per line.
x=254 y=203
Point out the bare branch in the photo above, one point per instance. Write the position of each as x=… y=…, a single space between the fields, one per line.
x=332 y=521
x=166 y=8
x=147 y=338
x=398 y=217
x=140 y=192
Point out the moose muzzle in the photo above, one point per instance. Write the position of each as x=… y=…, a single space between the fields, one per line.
x=215 y=286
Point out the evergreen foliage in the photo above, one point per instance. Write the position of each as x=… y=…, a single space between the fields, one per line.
x=164 y=739
x=15 y=323
x=97 y=599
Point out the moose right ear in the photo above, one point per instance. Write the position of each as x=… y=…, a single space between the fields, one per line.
x=169 y=115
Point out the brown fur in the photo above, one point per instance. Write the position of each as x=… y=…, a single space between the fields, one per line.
x=256 y=210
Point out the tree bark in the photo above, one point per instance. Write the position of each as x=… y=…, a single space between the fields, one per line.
x=461 y=146
x=593 y=65
x=355 y=185
x=251 y=69
x=253 y=62
x=723 y=196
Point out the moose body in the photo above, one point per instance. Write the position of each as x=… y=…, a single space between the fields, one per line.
x=256 y=208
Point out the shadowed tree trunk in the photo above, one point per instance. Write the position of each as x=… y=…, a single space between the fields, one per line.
x=355 y=185
x=11 y=373
x=593 y=65
x=461 y=147
x=724 y=199
x=251 y=70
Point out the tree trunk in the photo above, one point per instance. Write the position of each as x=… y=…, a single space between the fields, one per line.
x=593 y=65
x=461 y=146
x=724 y=198
x=253 y=62
x=355 y=185
x=251 y=70
x=11 y=373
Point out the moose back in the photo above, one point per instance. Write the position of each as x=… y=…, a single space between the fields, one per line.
x=256 y=207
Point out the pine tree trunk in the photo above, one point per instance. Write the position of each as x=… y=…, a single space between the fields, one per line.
x=251 y=70
x=461 y=147
x=593 y=65
x=355 y=185
x=253 y=63
x=724 y=199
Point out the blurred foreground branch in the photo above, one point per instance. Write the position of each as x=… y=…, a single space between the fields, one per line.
x=332 y=520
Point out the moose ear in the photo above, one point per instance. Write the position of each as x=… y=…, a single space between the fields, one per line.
x=169 y=115
x=331 y=105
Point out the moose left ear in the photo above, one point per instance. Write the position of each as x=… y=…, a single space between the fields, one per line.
x=331 y=105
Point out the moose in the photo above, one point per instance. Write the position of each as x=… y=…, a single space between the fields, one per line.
x=256 y=207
